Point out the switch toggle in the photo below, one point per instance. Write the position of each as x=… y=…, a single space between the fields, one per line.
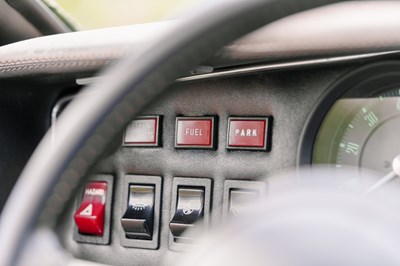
x=143 y=132
x=89 y=217
x=189 y=210
x=241 y=201
x=195 y=132
x=138 y=220
x=251 y=133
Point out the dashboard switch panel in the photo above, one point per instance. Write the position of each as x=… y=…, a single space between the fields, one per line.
x=138 y=219
x=144 y=131
x=140 y=211
x=249 y=133
x=93 y=212
x=195 y=132
x=189 y=210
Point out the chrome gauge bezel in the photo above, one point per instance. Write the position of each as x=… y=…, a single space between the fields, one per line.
x=364 y=81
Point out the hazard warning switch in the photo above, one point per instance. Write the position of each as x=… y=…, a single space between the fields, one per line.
x=89 y=217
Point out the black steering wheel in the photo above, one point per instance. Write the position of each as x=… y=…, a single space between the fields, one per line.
x=90 y=124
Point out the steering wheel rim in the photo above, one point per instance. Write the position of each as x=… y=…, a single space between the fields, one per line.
x=103 y=110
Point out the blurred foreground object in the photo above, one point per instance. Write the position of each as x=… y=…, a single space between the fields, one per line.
x=310 y=217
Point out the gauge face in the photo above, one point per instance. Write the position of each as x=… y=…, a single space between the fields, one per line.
x=363 y=131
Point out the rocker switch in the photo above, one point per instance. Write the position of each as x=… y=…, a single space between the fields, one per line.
x=138 y=219
x=189 y=210
x=89 y=217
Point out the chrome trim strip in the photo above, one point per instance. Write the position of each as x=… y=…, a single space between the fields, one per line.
x=264 y=67
x=87 y=81
x=254 y=69
x=54 y=114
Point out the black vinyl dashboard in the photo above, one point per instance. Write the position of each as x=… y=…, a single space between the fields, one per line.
x=215 y=138
x=291 y=98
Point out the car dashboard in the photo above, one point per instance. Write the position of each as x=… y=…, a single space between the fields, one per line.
x=291 y=102
x=200 y=153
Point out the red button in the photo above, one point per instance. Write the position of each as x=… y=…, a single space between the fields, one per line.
x=89 y=217
x=248 y=133
x=142 y=131
x=194 y=132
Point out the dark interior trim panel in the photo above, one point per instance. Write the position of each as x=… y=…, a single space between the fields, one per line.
x=88 y=51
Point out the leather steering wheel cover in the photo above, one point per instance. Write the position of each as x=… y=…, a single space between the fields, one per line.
x=93 y=120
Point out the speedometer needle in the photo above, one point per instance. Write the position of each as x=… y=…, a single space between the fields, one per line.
x=393 y=174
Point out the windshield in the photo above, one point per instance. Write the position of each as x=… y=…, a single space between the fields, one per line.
x=93 y=14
